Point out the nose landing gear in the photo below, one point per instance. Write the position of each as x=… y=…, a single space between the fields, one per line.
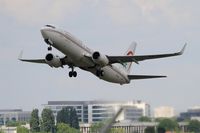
x=50 y=43
x=49 y=48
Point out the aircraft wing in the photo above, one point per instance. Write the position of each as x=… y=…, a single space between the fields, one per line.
x=41 y=61
x=135 y=77
x=136 y=59
x=30 y=60
x=34 y=60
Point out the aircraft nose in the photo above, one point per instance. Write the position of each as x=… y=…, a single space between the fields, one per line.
x=43 y=32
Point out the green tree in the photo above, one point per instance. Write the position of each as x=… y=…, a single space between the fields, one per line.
x=144 y=119
x=149 y=130
x=159 y=119
x=65 y=128
x=68 y=116
x=1 y=131
x=95 y=127
x=35 y=122
x=74 y=119
x=116 y=130
x=168 y=124
x=14 y=123
x=63 y=116
x=48 y=123
x=21 y=129
x=194 y=126
x=161 y=130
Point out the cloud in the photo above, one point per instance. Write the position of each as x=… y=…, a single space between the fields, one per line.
x=123 y=12
x=38 y=11
x=151 y=11
x=165 y=8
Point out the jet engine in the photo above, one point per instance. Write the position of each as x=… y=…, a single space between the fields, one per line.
x=53 y=60
x=100 y=59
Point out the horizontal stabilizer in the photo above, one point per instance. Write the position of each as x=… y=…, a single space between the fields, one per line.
x=135 y=77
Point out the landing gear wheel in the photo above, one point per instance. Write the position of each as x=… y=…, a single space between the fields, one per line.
x=74 y=73
x=99 y=73
x=102 y=72
x=70 y=74
x=49 y=48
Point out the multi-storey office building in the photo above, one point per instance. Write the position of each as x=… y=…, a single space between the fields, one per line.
x=191 y=113
x=93 y=111
x=134 y=127
x=14 y=115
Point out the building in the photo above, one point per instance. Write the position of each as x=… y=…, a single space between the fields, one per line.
x=14 y=115
x=8 y=129
x=12 y=129
x=192 y=113
x=133 y=127
x=131 y=113
x=164 y=111
x=94 y=111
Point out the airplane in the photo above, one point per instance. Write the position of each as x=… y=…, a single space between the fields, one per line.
x=114 y=69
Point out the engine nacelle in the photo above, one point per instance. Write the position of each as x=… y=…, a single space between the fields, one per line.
x=100 y=59
x=53 y=60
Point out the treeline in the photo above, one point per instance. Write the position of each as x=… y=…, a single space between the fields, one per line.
x=171 y=124
x=66 y=121
x=164 y=125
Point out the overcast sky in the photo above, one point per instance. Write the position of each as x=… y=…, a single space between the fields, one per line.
x=109 y=26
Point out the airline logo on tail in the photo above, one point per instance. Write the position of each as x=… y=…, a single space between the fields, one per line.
x=130 y=53
x=128 y=65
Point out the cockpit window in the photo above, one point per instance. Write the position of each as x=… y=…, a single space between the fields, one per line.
x=50 y=26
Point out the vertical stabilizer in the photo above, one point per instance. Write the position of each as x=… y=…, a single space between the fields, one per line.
x=130 y=52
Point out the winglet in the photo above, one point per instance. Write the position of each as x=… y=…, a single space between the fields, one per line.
x=183 y=49
x=20 y=55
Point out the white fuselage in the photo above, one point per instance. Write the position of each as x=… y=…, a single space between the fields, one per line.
x=77 y=54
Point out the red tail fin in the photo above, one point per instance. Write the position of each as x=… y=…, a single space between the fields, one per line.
x=130 y=52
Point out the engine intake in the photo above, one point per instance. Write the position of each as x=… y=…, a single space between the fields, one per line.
x=100 y=59
x=49 y=57
x=53 y=60
x=96 y=55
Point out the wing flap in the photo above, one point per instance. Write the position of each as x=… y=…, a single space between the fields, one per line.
x=121 y=59
x=136 y=77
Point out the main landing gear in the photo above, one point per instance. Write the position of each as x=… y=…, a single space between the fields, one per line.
x=72 y=73
x=99 y=73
